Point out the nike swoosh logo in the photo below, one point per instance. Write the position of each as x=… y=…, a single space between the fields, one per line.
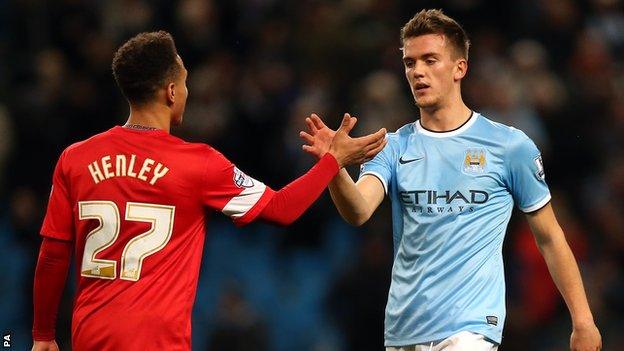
x=402 y=161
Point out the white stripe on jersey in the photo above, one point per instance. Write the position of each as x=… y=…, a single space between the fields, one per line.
x=243 y=202
x=537 y=206
x=378 y=176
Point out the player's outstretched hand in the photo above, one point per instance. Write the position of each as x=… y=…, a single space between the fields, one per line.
x=586 y=338
x=318 y=138
x=45 y=346
x=345 y=149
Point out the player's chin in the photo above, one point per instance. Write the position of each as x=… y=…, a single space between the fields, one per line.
x=424 y=102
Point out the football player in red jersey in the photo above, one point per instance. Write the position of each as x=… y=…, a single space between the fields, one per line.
x=130 y=202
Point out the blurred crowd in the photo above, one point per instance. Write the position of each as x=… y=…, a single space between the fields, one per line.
x=257 y=68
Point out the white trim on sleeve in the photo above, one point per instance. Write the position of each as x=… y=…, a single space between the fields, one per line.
x=378 y=176
x=240 y=204
x=537 y=206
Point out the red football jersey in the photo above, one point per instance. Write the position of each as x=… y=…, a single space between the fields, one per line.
x=134 y=204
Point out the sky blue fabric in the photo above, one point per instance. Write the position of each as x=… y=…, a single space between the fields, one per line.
x=452 y=196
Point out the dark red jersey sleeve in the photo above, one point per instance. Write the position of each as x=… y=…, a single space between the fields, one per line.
x=229 y=190
x=59 y=221
x=50 y=276
x=295 y=198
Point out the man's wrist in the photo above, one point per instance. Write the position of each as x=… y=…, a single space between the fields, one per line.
x=44 y=335
x=583 y=322
x=44 y=339
x=331 y=159
x=332 y=154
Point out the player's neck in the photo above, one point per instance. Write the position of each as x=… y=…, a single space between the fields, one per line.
x=151 y=116
x=446 y=118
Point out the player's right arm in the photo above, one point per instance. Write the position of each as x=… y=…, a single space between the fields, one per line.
x=45 y=346
x=356 y=202
x=53 y=262
x=287 y=204
x=50 y=276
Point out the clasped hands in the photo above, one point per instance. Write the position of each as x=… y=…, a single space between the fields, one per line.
x=347 y=150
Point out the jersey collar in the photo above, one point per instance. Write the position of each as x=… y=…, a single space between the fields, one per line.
x=450 y=133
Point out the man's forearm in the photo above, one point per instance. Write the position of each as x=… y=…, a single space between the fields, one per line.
x=348 y=200
x=50 y=276
x=294 y=199
x=566 y=275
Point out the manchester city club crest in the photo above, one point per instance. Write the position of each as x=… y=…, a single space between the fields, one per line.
x=475 y=161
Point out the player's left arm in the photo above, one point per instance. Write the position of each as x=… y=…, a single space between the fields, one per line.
x=552 y=244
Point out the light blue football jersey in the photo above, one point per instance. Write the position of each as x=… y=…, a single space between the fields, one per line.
x=452 y=196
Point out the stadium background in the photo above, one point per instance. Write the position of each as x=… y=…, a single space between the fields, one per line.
x=257 y=68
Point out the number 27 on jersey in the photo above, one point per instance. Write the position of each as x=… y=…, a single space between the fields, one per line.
x=138 y=248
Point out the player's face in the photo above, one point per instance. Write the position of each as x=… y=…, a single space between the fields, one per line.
x=432 y=68
x=181 y=94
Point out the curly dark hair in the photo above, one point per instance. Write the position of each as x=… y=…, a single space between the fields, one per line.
x=436 y=22
x=144 y=64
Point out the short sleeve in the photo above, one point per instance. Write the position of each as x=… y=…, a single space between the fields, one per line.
x=382 y=165
x=59 y=219
x=229 y=190
x=526 y=177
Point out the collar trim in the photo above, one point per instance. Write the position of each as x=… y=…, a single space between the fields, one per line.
x=449 y=133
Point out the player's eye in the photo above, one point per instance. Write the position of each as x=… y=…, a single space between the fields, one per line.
x=409 y=63
x=430 y=61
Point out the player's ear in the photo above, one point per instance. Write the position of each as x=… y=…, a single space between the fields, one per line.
x=461 y=68
x=171 y=93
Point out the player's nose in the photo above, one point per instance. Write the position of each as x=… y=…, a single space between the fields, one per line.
x=419 y=69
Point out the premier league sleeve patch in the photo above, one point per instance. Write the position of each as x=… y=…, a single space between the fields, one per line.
x=540 y=174
x=241 y=179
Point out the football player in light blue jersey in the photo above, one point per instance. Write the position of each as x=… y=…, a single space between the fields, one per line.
x=453 y=177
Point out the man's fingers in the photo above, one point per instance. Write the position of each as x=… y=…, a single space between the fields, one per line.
x=308 y=149
x=380 y=138
x=370 y=143
x=381 y=133
x=371 y=138
x=311 y=150
x=352 y=122
x=311 y=127
x=346 y=118
x=348 y=123
x=372 y=153
x=381 y=147
x=318 y=122
x=375 y=145
x=307 y=137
